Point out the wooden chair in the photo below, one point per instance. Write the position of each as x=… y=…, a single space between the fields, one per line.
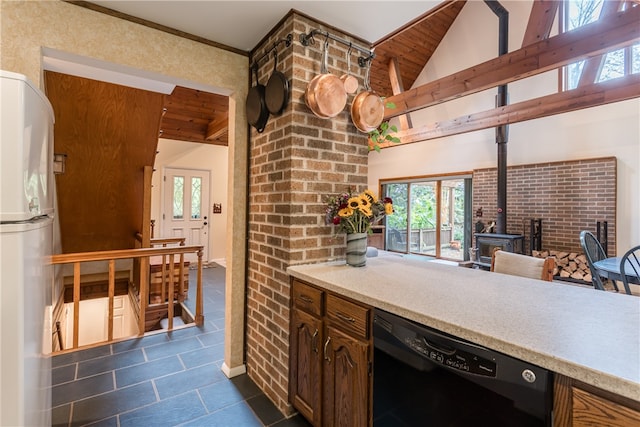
x=630 y=264
x=522 y=265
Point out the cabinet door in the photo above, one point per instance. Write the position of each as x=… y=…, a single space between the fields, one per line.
x=305 y=378
x=347 y=383
x=590 y=410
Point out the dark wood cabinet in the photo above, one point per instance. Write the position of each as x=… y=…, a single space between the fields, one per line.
x=346 y=380
x=331 y=375
x=305 y=374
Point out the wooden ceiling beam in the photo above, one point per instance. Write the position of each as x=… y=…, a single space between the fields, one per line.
x=618 y=30
x=593 y=95
x=397 y=87
x=218 y=127
x=543 y=12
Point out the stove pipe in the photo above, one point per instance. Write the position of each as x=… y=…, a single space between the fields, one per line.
x=502 y=132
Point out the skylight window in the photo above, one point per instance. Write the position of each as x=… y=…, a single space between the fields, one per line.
x=612 y=65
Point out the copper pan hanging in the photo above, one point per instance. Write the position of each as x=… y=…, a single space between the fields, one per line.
x=367 y=108
x=349 y=81
x=325 y=95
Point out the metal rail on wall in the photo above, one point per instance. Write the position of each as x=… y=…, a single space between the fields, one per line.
x=308 y=39
x=287 y=41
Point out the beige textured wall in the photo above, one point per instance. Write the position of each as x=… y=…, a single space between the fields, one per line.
x=28 y=26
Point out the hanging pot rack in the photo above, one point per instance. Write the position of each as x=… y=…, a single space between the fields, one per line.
x=287 y=41
x=308 y=39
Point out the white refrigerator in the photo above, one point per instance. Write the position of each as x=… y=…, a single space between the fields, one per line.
x=26 y=242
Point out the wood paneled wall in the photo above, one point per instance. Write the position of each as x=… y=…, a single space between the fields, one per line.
x=109 y=133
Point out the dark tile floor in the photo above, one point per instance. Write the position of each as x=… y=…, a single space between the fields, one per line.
x=166 y=379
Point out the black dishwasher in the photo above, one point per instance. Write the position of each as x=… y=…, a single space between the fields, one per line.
x=446 y=381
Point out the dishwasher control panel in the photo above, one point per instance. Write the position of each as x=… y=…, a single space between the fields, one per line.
x=453 y=358
x=436 y=347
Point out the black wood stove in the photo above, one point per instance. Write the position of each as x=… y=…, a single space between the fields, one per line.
x=486 y=243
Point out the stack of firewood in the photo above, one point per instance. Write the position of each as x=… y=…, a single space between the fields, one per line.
x=568 y=264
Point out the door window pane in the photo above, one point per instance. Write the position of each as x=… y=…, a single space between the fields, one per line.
x=452 y=219
x=423 y=218
x=196 y=197
x=396 y=224
x=178 y=197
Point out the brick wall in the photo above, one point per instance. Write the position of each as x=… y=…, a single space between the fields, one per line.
x=568 y=196
x=294 y=165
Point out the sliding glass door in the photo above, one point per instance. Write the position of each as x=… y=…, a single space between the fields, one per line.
x=431 y=217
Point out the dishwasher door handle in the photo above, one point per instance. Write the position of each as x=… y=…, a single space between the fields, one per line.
x=449 y=351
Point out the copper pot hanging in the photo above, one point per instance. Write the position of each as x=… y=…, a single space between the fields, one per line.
x=325 y=95
x=367 y=108
x=349 y=82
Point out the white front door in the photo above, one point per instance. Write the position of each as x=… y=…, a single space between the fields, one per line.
x=185 y=207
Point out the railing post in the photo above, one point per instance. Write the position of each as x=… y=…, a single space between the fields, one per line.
x=181 y=280
x=76 y=302
x=112 y=284
x=163 y=275
x=144 y=294
x=199 y=303
x=170 y=292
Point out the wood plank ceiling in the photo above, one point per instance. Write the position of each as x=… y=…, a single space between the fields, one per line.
x=407 y=50
x=195 y=116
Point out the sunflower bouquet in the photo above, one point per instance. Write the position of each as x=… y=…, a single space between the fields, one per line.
x=356 y=213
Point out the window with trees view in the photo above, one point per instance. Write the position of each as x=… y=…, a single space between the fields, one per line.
x=614 y=64
x=430 y=216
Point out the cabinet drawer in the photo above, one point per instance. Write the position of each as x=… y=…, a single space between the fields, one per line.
x=307 y=298
x=349 y=317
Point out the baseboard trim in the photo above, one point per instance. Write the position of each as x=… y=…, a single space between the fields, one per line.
x=233 y=372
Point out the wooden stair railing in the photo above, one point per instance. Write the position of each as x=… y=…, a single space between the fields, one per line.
x=143 y=255
x=164 y=242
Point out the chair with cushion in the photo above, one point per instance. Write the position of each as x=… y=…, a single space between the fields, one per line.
x=630 y=265
x=522 y=265
x=594 y=252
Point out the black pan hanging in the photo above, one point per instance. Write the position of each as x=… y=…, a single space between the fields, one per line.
x=277 y=89
x=256 y=107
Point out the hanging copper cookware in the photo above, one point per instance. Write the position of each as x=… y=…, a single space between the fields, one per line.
x=367 y=108
x=350 y=82
x=325 y=95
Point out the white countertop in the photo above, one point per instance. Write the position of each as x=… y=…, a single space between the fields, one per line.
x=589 y=335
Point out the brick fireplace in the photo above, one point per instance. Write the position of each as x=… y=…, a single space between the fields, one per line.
x=567 y=197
